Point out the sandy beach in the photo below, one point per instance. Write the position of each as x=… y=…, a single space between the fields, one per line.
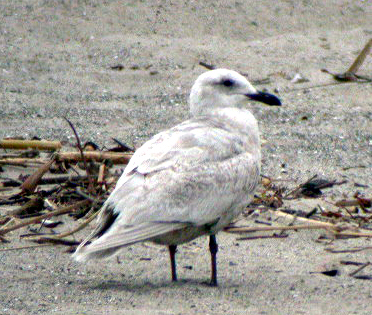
x=124 y=69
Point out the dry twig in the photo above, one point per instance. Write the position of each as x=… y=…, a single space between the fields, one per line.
x=61 y=211
x=30 y=184
x=249 y=238
x=90 y=179
x=249 y=229
x=350 y=74
x=301 y=219
x=299 y=187
x=27 y=144
x=98 y=156
x=351 y=274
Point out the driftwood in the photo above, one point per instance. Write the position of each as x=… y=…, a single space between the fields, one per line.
x=91 y=187
x=72 y=157
x=27 y=144
x=32 y=181
x=98 y=156
x=352 y=274
x=36 y=204
x=350 y=74
x=32 y=203
x=331 y=228
x=81 y=194
x=353 y=234
x=249 y=229
x=21 y=161
x=301 y=219
x=61 y=211
x=101 y=174
x=69 y=187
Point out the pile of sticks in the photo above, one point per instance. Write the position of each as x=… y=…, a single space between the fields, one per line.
x=74 y=184
x=70 y=183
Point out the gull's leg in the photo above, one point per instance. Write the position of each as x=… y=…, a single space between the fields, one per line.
x=213 y=247
x=172 y=254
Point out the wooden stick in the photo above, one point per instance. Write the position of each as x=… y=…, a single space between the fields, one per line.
x=248 y=229
x=122 y=145
x=61 y=211
x=350 y=250
x=361 y=57
x=350 y=74
x=116 y=157
x=32 y=203
x=331 y=84
x=299 y=187
x=249 y=238
x=9 y=222
x=314 y=225
x=62 y=179
x=350 y=262
x=83 y=194
x=78 y=228
x=301 y=219
x=52 y=239
x=91 y=187
x=206 y=65
x=26 y=144
x=101 y=174
x=61 y=236
x=351 y=274
x=353 y=234
x=30 y=184
x=347 y=203
x=21 y=161
x=64 y=234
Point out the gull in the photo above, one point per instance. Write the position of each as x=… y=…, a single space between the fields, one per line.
x=191 y=180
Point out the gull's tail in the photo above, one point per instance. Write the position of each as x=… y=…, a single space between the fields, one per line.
x=117 y=236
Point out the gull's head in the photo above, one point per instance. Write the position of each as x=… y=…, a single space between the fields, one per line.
x=224 y=88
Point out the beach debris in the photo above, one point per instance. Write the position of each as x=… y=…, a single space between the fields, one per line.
x=363 y=203
x=50 y=201
x=117 y=67
x=34 y=201
x=312 y=187
x=355 y=273
x=30 y=144
x=122 y=147
x=207 y=65
x=299 y=78
x=351 y=74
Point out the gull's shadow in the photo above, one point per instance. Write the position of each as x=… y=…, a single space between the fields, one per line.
x=147 y=286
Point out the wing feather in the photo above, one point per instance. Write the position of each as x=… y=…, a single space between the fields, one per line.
x=196 y=173
x=115 y=238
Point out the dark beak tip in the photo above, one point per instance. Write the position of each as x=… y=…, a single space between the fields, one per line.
x=277 y=102
x=266 y=98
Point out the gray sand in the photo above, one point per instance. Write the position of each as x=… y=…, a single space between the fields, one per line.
x=55 y=61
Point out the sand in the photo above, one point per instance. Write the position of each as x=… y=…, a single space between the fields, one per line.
x=55 y=60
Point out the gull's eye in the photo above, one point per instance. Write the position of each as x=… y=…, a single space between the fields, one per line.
x=227 y=82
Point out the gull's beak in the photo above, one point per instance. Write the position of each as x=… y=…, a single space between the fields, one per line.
x=266 y=98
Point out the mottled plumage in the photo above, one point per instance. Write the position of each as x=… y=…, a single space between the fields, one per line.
x=190 y=180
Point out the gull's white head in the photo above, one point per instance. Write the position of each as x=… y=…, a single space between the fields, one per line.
x=224 y=88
